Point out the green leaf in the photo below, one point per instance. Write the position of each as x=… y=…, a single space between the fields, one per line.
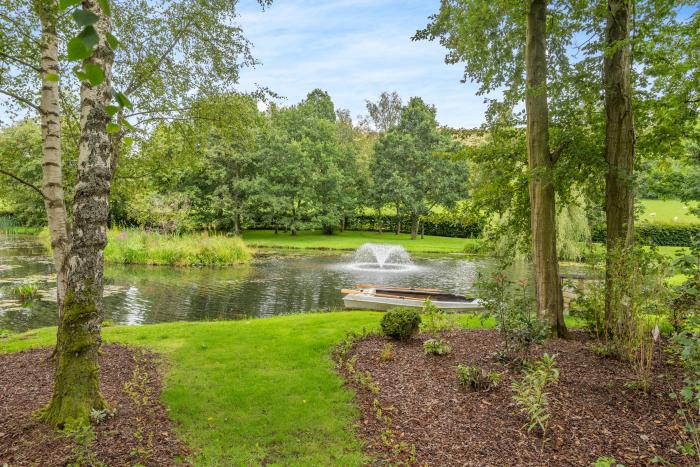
x=111 y=110
x=51 y=77
x=88 y=36
x=65 y=4
x=128 y=125
x=77 y=49
x=82 y=76
x=112 y=41
x=128 y=140
x=104 y=5
x=122 y=100
x=113 y=128
x=94 y=74
x=84 y=17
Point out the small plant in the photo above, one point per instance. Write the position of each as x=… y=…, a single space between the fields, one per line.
x=513 y=306
x=83 y=436
x=606 y=461
x=478 y=379
x=26 y=292
x=687 y=344
x=400 y=323
x=387 y=352
x=531 y=395
x=99 y=416
x=435 y=321
x=437 y=347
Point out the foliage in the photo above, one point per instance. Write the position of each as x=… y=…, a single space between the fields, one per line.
x=400 y=323
x=435 y=321
x=437 y=347
x=140 y=247
x=478 y=379
x=512 y=305
x=688 y=346
x=687 y=299
x=25 y=292
x=660 y=234
x=530 y=393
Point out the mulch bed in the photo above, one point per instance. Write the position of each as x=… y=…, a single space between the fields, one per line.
x=140 y=432
x=593 y=413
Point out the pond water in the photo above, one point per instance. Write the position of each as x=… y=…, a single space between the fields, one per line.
x=275 y=283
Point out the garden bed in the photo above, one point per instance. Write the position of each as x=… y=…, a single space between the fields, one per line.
x=413 y=407
x=139 y=432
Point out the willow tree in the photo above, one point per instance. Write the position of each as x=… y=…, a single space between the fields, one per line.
x=494 y=40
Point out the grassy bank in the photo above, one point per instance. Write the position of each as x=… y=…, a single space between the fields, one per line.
x=667 y=211
x=139 y=247
x=253 y=392
x=351 y=240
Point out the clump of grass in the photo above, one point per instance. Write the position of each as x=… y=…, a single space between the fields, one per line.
x=139 y=247
x=26 y=292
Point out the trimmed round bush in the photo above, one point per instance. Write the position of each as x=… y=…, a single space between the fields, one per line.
x=400 y=323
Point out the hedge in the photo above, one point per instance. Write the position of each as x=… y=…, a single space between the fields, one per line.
x=440 y=227
x=657 y=234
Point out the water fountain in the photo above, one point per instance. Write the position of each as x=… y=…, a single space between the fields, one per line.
x=381 y=257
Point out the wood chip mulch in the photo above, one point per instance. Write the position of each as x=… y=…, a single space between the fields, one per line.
x=593 y=413
x=139 y=432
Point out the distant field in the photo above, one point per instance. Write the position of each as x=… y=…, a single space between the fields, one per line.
x=351 y=240
x=666 y=211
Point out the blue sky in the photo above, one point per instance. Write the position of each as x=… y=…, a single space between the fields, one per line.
x=355 y=49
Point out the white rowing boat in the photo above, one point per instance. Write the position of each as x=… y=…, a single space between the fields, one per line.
x=382 y=298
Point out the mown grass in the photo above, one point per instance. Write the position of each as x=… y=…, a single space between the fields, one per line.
x=139 y=247
x=351 y=240
x=668 y=211
x=260 y=391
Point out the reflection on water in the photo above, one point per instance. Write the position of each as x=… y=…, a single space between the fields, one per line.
x=271 y=285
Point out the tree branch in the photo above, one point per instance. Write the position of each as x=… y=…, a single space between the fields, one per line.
x=24 y=182
x=20 y=61
x=20 y=99
x=554 y=155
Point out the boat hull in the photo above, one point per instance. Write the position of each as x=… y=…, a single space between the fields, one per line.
x=371 y=302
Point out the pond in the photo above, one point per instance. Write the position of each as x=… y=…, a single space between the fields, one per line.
x=275 y=283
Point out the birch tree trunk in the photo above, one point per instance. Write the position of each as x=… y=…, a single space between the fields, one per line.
x=550 y=301
x=76 y=387
x=619 y=145
x=52 y=168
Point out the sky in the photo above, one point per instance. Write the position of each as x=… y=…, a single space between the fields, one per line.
x=354 y=50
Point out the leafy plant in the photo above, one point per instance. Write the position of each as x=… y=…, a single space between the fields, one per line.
x=688 y=345
x=435 y=321
x=478 y=379
x=83 y=436
x=400 y=323
x=530 y=393
x=437 y=347
x=26 y=292
x=606 y=461
x=513 y=307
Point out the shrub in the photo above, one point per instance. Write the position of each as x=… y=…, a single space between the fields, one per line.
x=687 y=344
x=387 y=352
x=436 y=347
x=477 y=378
x=530 y=393
x=513 y=307
x=435 y=321
x=400 y=323
x=658 y=234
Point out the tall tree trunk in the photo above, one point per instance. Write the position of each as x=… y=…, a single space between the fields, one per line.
x=237 y=224
x=619 y=144
x=398 y=219
x=422 y=230
x=52 y=168
x=379 y=219
x=76 y=389
x=414 y=226
x=550 y=301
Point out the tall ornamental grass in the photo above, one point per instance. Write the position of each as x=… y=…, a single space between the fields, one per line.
x=139 y=247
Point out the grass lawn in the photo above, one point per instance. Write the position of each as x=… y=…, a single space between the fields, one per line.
x=664 y=211
x=351 y=240
x=256 y=391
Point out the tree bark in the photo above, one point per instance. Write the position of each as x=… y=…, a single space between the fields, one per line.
x=398 y=219
x=52 y=166
x=76 y=389
x=619 y=143
x=414 y=227
x=550 y=301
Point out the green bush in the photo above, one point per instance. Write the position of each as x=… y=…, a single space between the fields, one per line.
x=660 y=234
x=437 y=347
x=478 y=379
x=400 y=323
